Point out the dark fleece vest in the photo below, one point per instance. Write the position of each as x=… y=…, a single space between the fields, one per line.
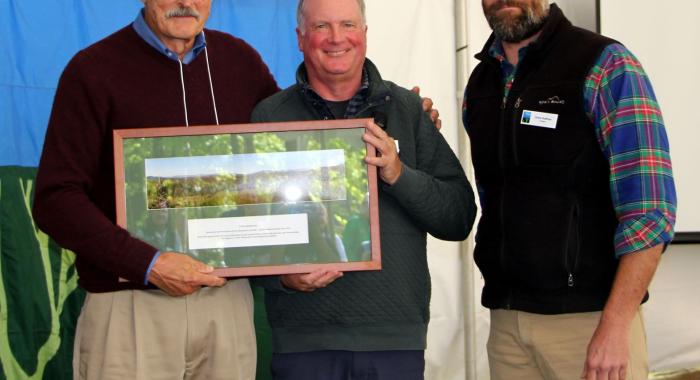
x=545 y=239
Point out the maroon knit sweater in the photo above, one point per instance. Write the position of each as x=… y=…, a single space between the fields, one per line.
x=122 y=82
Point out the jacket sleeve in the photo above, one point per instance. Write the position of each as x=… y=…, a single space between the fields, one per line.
x=436 y=193
x=71 y=170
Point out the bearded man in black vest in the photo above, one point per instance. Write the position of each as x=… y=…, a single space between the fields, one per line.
x=574 y=176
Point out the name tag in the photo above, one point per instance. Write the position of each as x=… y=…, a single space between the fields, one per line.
x=539 y=119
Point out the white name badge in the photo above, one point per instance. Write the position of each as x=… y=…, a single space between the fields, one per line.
x=539 y=119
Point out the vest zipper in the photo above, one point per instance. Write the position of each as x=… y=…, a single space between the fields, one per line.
x=502 y=159
x=372 y=104
x=572 y=238
x=502 y=255
x=514 y=135
x=368 y=106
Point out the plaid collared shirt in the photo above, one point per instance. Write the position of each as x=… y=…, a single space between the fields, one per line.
x=620 y=102
x=354 y=105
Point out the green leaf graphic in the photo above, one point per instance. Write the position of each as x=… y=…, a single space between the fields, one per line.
x=39 y=302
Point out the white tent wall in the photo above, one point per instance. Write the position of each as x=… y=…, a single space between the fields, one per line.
x=671 y=315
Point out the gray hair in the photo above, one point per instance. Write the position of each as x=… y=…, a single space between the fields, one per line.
x=300 y=14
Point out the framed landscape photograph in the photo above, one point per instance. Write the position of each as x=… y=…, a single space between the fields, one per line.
x=252 y=199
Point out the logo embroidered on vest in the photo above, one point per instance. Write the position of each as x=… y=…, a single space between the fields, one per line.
x=553 y=100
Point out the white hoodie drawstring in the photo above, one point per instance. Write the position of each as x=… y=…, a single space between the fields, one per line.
x=211 y=88
x=184 y=95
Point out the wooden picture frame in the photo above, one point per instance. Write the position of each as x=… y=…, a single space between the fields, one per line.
x=252 y=199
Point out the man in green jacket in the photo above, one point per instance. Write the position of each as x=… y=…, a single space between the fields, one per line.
x=365 y=323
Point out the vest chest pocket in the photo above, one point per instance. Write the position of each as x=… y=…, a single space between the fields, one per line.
x=550 y=126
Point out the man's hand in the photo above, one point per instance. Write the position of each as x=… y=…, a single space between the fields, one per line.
x=180 y=275
x=608 y=353
x=387 y=159
x=428 y=107
x=308 y=282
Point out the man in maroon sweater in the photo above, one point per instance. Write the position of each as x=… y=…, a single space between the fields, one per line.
x=164 y=69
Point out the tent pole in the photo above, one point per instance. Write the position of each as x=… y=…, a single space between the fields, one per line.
x=466 y=247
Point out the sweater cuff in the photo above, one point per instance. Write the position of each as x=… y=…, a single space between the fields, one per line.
x=406 y=185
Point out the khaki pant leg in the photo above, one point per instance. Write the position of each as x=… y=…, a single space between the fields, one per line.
x=146 y=334
x=639 y=356
x=222 y=339
x=130 y=334
x=534 y=346
x=561 y=342
x=509 y=355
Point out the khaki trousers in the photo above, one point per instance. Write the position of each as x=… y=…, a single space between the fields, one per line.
x=148 y=335
x=528 y=346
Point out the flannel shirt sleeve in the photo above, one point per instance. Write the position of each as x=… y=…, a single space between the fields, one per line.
x=621 y=103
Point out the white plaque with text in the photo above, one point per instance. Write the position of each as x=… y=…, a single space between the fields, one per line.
x=248 y=231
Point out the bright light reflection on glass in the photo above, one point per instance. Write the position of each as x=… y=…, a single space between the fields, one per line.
x=292 y=193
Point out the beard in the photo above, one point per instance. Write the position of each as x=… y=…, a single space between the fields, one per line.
x=511 y=28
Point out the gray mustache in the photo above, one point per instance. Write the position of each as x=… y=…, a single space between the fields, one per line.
x=182 y=12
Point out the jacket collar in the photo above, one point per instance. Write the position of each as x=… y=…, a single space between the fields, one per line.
x=374 y=85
